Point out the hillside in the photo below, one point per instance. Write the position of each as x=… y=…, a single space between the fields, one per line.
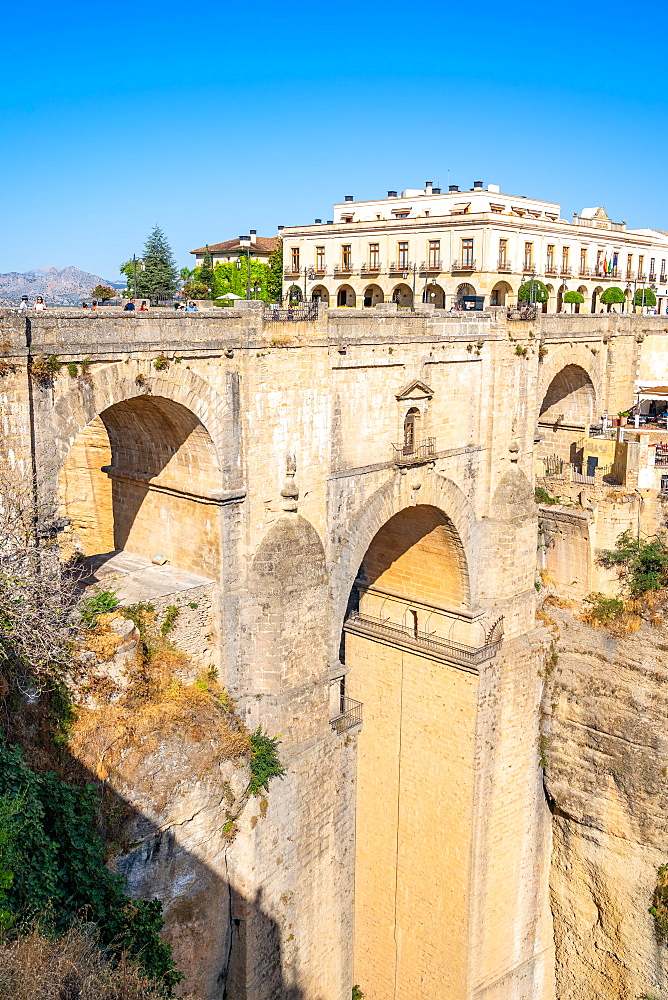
x=57 y=285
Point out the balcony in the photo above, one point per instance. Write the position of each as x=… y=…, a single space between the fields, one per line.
x=629 y=275
x=504 y=264
x=652 y=276
x=290 y=271
x=585 y=272
x=642 y=277
x=414 y=454
x=400 y=266
x=434 y=265
x=464 y=265
x=529 y=268
x=373 y=268
x=345 y=268
x=662 y=279
x=320 y=269
x=350 y=715
x=551 y=268
x=566 y=272
x=408 y=637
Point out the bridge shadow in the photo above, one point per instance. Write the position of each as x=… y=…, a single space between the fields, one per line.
x=227 y=945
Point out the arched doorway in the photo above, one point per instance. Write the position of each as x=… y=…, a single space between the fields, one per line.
x=595 y=296
x=402 y=295
x=413 y=583
x=435 y=295
x=294 y=293
x=568 y=406
x=373 y=294
x=582 y=306
x=549 y=300
x=466 y=288
x=320 y=294
x=411 y=433
x=499 y=294
x=143 y=477
x=345 y=296
x=561 y=291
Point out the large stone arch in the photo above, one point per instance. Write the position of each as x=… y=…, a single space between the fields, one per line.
x=116 y=383
x=391 y=499
x=562 y=357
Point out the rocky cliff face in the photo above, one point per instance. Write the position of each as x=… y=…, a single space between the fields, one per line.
x=606 y=748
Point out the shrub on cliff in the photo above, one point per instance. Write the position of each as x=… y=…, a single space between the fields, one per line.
x=75 y=964
x=642 y=562
x=52 y=869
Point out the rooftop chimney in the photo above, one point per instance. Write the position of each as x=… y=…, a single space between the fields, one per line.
x=454 y=187
x=253 y=235
x=391 y=194
x=330 y=222
x=435 y=190
x=244 y=241
x=349 y=197
x=427 y=187
x=280 y=228
x=477 y=185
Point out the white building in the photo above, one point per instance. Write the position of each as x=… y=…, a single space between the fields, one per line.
x=260 y=247
x=437 y=247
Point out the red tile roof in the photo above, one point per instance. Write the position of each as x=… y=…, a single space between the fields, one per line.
x=265 y=244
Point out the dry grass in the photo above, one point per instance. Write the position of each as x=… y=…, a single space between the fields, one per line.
x=157 y=709
x=541 y=616
x=72 y=966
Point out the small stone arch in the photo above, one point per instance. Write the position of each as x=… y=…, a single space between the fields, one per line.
x=434 y=294
x=561 y=291
x=557 y=359
x=402 y=294
x=295 y=294
x=466 y=288
x=320 y=294
x=373 y=294
x=499 y=294
x=581 y=307
x=346 y=297
x=595 y=298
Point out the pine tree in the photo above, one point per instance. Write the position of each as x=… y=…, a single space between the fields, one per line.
x=275 y=275
x=158 y=278
x=205 y=275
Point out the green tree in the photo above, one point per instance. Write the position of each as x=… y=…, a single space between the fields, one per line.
x=275 y=275
x=230 y=278
x=52 y=867
x=574 y=299
x=205 y=275
x=103 y=292
x=156 y=272
x=612 y=296
x=540 y=292
x=644 y=297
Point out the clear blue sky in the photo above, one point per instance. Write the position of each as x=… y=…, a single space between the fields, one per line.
x=219 y=118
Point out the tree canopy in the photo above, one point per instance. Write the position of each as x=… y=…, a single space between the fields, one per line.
x=612 y=296
x=103 y=292
x=575 y=298
x=644 y=297
x=275 y=275
x=540 y=292
x=156 y=272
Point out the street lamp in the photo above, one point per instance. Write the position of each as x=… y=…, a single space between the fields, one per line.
x=411 y=268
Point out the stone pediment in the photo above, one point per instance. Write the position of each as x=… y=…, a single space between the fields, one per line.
x=417 y=389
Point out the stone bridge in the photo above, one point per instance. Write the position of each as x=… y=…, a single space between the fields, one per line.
x=358 y=491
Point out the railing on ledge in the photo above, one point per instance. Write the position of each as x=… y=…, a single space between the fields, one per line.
x=421 y=451
x=400 y=266
x=343 y=268
x=351 y=715
x=457 y=652
x=504 y=265
x=434 y=265
x=464 y=265
x=306 y=311
x=371 y=268
x=566 y=272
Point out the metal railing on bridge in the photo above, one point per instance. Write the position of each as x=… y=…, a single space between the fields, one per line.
x=350 y=715
x=304 y=311
x=458 y=652
x=411 y=454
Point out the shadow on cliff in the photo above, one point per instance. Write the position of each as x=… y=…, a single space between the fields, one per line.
x=228 y=947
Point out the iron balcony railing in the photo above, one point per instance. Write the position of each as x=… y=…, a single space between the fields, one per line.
x=551 y=268
x=529 y=269
x=345 y=268
x=373 y=267
x=661 y=457
x=351 y=715
x=464 y=265
x=566 y=271
x=410 y=454
x=397 y=266
x=504 y=264
x=288 y=270
x=469 y=656
x=305 y=311
x=431 y=265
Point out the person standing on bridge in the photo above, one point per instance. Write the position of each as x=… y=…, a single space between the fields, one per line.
x=39 y=303
x=129 y=306
x=191 y=308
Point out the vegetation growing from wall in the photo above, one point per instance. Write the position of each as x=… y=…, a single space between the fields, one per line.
x=265 y=763
x=642 y=562
x=603 y=610
x=542 y=496
x=659 y=907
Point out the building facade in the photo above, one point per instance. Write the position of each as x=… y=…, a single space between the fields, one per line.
x=440 y=247
x=260 y=247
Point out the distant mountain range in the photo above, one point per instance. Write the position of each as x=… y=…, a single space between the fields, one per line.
x=58 y=286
